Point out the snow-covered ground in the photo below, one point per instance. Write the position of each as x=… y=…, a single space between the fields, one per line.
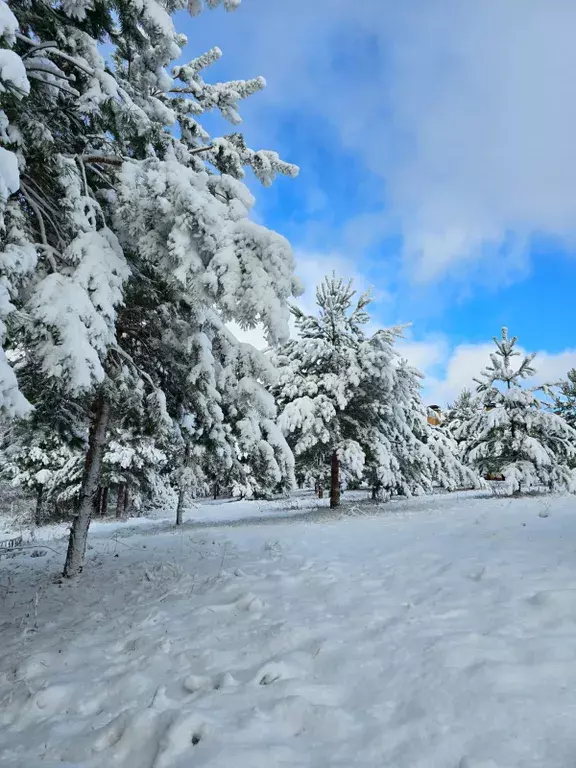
x=206 y=512
x=436 y=633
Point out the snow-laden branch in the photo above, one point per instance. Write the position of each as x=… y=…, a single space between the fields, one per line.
x=52 y=47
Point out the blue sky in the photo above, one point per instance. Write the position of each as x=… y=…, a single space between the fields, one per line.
x=436 y=145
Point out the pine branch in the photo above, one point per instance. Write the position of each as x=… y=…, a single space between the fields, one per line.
x=69 y=91
x=52 y=46
x=197 y=150
x=48 y=71
x=102 y=159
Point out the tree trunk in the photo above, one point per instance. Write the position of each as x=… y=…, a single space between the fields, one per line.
x=98 y=501
x=104 y=502
x=216 y=491
x=374 y=493
x=90 y=481
x=126 y=511
x=320 y=491
x=180 y=507
x=39 y=511
x=121 y=492
x=335 y=482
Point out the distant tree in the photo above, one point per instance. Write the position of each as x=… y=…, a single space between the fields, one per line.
x=564 y=403
x=459 y=412
x=514 y=433
x=351 y=407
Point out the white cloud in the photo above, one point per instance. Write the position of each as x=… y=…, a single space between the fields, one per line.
x=465 y=362
x=466 y=110
x=312 y=267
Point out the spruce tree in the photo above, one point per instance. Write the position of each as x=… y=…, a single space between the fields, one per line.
x=459 y=412
x=326 y=378
x=565 y=398
x=124 y=237
x=514 y=433
x=350 y=406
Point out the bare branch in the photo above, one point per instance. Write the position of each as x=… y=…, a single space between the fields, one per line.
x=121 y=353
x=201 y=149
x=45 y=244
x=45 y=209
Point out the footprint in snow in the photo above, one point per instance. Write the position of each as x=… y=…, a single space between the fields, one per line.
x=247 y=602
x=195 y=683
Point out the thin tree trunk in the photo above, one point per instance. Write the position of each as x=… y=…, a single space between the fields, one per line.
x=180 y=507
x=335 y=482
x=120 y=501
x=39 y=511
x=182 y=491
x=98 y=501
x=374 y=493
x=104 y=502
x=90 y=480
x=320 y=491
x=216 y=491
x=126 y=511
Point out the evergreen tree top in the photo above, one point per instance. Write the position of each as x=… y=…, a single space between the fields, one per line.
x=340 y=318
x=501 y=368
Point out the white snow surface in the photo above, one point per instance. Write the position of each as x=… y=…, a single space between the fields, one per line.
x=436 y=632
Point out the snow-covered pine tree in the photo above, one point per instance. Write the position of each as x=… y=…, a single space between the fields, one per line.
x=348 y=402
x=132 y=466
x=32 y=461
x=425 y=455
x=328 y=378
x=459 y=412
x=115 y=212
x=514 y=433
x=565 y=398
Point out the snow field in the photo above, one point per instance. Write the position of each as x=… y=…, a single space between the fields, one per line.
x=440 y=632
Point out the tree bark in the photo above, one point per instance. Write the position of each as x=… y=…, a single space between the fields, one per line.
x=90 y=481
x=126 y=510
x=216 y=491
x=98 y=501
x=180 y=507
x=104 y=502
x=335 y=482
x=39 y=511
x=120 y=493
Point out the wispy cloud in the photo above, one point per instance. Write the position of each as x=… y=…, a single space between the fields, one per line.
x=464 y=110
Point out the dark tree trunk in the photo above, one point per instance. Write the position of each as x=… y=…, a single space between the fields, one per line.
x=216 y=491
x=180 y=507
x=104 y=502
x=98 y=501
x=320 y=490
x=39 y=511
x=335 y=482
x=120 y=494
x=126 y=510
x=90 y=481
x=374 y=493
